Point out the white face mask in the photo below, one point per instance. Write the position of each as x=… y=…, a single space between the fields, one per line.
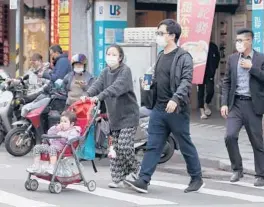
x=112 y=61
x=160 y=40
x=78 y=70
x=240 y=47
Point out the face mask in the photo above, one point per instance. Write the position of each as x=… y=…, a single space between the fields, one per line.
x=112 y=61
x=160 y=40
x=240 y=47
x=78 y=70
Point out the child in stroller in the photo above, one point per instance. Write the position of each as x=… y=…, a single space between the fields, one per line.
x=69 y=158
x=67 y=130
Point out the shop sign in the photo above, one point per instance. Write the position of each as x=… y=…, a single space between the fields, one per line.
x=220 y=2
x=13 y=4
x=257 y=24
x=196 y=19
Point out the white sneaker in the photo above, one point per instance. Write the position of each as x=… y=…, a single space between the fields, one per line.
x=207 y=110
x=35 y=168
x=116 y=185
x=50 y=169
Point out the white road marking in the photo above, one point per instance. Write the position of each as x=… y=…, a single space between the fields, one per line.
x=19 y=201
x=139 y=200
x=4 y=166
x=221 y=193
x=239 y=183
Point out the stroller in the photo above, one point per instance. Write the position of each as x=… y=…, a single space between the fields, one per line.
x=86 y=113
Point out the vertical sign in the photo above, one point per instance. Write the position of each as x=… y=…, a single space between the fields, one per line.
x=54 y=22
x=4 y=42
x=110 y=21
x=64 y=25
x=196 y=19
x=257 y=24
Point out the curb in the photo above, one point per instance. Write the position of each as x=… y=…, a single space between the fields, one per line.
x=212 y=163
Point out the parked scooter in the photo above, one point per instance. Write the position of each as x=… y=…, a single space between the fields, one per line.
x=142 y=138
x=37 y=118
x=11 y=100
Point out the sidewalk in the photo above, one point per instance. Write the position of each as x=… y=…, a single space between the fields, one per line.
x=208 y=137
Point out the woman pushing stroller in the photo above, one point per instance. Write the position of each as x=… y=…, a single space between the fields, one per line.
x=115 y=87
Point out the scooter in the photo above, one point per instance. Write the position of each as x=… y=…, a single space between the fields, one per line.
x=38 y=117
x=142 y=137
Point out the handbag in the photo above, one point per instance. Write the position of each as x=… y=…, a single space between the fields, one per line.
x=149 y=97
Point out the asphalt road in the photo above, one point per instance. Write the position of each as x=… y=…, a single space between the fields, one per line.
x=165 y=190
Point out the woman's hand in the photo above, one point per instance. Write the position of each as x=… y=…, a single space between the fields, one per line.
x=83 y=98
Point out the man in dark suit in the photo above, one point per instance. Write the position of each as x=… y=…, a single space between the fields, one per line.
x=243 y=103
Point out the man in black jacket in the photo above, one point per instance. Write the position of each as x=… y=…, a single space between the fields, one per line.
x=243 y=103
x=173 y=76
x=208 y=84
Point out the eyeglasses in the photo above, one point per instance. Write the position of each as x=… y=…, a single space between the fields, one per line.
x=241 y=40
x=160 y=33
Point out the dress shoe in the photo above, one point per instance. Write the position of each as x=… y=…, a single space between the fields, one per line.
x=259 y=182
x=236 y=176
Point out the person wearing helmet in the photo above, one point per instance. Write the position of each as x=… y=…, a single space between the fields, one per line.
x=77 y=82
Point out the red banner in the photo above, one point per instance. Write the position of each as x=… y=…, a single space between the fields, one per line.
x=196 y=18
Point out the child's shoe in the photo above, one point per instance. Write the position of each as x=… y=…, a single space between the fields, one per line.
x=35 y=168
x=116 y=185
x=50 y=169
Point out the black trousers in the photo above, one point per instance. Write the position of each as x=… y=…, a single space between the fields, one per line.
x=208 y=85
x=242 y=114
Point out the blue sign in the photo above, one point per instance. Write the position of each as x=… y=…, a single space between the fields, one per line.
x=257 y=24
x=110 y=21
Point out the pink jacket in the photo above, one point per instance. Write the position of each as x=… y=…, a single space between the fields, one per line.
x=72 y=132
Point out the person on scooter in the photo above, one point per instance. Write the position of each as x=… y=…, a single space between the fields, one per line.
x=67 y=130
x=115 y=87
x=61 y=63
x=77 y=82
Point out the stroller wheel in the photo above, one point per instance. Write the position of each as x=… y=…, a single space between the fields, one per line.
x=33 y=184
x=27 y=186
x=57 y=188
x=91 y=185
x=51 y=188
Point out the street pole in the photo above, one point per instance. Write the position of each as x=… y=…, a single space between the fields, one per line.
x=19 y=37
x=90 y=25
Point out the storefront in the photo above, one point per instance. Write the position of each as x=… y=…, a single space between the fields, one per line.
x=228 y=18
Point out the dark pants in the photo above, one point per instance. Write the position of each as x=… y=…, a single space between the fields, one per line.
x=161 y=124
x=209 y=86
x=242 y=114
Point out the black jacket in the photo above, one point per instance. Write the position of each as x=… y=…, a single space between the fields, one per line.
x=256 y=82
x=181 y=75
x=213 y=60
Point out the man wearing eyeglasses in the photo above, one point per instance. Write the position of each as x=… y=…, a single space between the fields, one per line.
x=173 y=78
x=243 y=103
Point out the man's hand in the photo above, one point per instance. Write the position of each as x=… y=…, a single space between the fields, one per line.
x=224 y=111
x=245 y=63
x=171 y=106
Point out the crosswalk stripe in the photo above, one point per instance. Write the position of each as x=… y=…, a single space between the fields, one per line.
x=221 y=193
x=239 y=183
x=139 y=200
x=19 y=201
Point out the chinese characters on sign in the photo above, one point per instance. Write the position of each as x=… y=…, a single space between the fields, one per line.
x=54 y=22
x=64 y=25
x=4 y=43
x=196 y=18
x=257 y=25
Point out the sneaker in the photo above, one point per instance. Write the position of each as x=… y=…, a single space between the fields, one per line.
x=50 y=169
x=194 y=185
x=207 y=110
x=35 y=168
x=259 y=182
x=138 y=185
x=116 y=185
x=134 y=175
